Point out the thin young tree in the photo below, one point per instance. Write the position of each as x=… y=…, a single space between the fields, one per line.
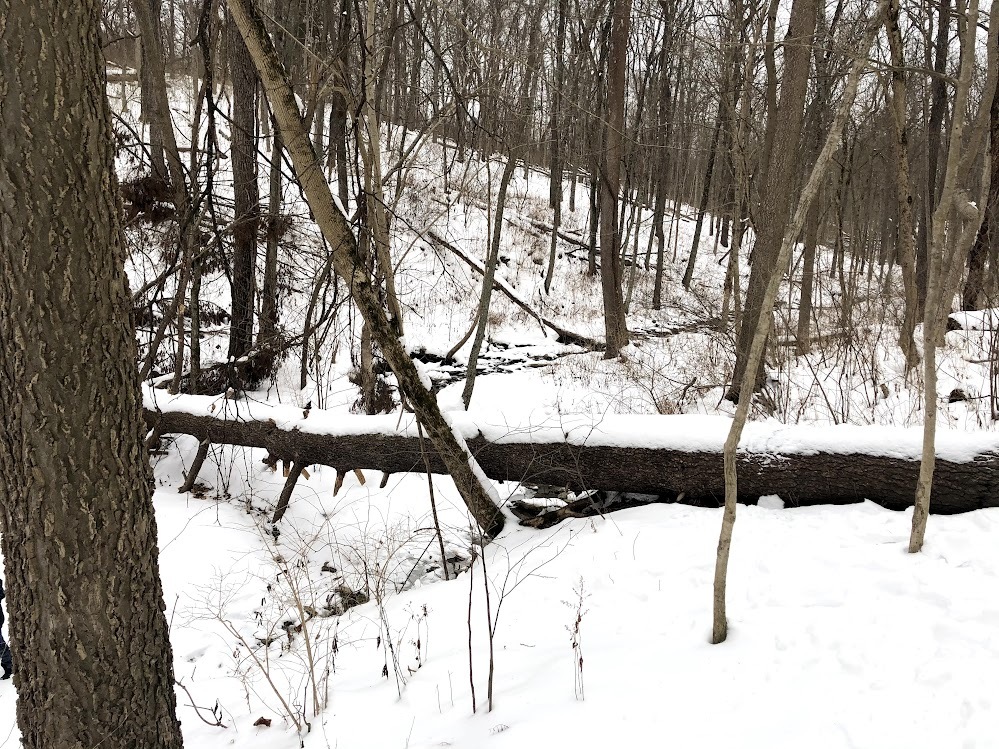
x=91 y=643
x=956 y=222
x=759 y=335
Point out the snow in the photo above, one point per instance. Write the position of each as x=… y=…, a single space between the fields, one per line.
x=771 y=502
x=984 y=320
x=838 y=637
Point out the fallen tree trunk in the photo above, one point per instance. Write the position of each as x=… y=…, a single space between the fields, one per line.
x=800 y=478
x=564 y=336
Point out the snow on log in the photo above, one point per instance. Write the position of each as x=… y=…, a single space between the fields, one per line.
x=671 y=456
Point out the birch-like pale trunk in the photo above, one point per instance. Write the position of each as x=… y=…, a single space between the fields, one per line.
x=956 y=222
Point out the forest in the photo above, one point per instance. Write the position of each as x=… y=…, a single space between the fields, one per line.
x=363 y=363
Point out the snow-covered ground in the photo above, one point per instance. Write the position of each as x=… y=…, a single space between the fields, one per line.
x=838 y=638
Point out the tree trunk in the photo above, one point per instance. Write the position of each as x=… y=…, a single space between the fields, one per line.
x=267 y=332
x=376 y=212
x=88 y=632
x=615 y=326
x=778 y=190
x=159 y=112
x=955 y=224
x=147 y=69
x=987 y=242
x=246 y=194
x=802 y=336
x=338 y=104
x=489 y=272
x=666 y=114
x=770 y=99
x=594 y=222
x=555 y=195
x=195 y=370
x=349 y=264
x=905 y=241
x=938 y=109
x=758 y=333
x=803 y=475
x=702 y=208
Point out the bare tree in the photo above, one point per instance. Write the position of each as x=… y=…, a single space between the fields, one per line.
x=349 y=264
x=759 y=334
x=905 y=239
x=615 y=325
x=956 y=222
x=986 y=247
x=246 y=193
x=779 y=180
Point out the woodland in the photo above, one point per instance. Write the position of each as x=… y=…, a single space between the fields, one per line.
x=334 y=330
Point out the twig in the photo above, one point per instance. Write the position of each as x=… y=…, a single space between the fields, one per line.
x=197 y=710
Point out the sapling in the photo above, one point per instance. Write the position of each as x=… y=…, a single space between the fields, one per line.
x=575 y=636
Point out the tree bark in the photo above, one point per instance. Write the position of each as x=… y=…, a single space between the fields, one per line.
x=88 y=631
x=778 y=189
x=349 y=264
x=246 y=193
x=905 y=241
x=987 y=242
x=615 y=325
